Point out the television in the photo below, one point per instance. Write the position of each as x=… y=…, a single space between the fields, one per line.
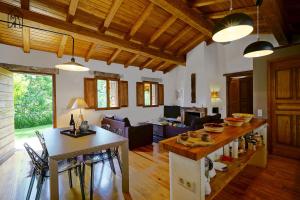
x=171 y=111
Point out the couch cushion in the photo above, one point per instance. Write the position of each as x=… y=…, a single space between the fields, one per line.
x=122 y=119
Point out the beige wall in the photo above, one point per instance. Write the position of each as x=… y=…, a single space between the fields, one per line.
x=260 y=66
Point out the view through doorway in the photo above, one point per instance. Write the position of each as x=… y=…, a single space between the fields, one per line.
x=33 y=104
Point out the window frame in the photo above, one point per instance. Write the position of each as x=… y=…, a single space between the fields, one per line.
x=107 y=93
x=156 y=86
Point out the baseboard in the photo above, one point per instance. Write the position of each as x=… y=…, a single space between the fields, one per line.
x=7 y=156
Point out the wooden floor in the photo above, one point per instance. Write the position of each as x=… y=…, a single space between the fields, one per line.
x=149 y=179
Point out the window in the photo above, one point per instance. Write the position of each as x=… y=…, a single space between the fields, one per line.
x=150 y=94
x=107 y=93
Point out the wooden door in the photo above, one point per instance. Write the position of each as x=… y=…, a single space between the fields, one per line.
x=7 y=135
x=233 y=96
x=246 y=95
x=284 y=85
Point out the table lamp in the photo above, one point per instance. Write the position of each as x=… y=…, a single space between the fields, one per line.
x=78 y=103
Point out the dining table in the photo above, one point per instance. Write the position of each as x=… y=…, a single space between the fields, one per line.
x=61 y=147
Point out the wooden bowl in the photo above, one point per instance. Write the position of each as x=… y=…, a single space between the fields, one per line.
x=234 y=121
x=246 y=117
x=213 y=127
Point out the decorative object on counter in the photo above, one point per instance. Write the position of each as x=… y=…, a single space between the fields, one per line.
x=213 y=127
x=235 y=149
x=242 y=145
x=77 y=134
x=195 y=138
x=72 y=124
x=231 y=121
x=78 y=103
x=245 y=116
x=84 y=127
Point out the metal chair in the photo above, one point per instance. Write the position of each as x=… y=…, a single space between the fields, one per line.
x=41 y=169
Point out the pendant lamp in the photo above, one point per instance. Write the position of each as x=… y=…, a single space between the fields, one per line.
x=258 y=48
x=72 y=66
x=232 y=27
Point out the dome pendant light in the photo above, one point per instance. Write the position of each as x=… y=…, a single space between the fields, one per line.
x=72 y=66
x=232 y=27
x=258 y=48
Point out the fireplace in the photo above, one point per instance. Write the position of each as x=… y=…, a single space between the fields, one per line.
x=190 y=113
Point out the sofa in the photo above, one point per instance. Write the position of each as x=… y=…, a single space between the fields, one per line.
x=138 y=136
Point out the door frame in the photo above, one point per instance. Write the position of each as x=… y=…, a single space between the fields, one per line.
x=53 y=76
x=228 y=77
x=269 y=96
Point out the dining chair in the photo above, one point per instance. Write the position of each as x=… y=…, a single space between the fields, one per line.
x=41 y=171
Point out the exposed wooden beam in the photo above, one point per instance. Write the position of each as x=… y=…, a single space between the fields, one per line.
x=201 y=3
x=62 y=46
x=90 y=51
x=140 y=21
x=26 y=39
x=190 y=45
x=182 y=11
x=29 y=69
x=247 y=10
x=25 y=4
x=177 y=37
x=114 y=56
x=113 y=10
x=131 y=60
x=271 y=11
x=147 y=63
x=72 y=10
x=77 y=31
x=170 y=68
x=160 y=66
x=162 y=29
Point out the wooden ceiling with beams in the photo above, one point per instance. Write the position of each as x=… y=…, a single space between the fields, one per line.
x=153 y=34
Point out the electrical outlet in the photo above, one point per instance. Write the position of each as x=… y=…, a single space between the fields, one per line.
x=186 y=184
x=259 y=113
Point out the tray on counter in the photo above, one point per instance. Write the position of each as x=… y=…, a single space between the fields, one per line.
x=77 y=135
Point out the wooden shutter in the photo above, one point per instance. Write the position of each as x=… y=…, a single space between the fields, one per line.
x=161 y=94
x=140 y=94
x=7 y=135
x=123 y=94
x=90 y=92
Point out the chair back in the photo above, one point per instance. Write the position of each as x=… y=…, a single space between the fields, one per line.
x=39 y=164
x=41 y=138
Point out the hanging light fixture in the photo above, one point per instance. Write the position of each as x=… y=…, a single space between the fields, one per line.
x=232 y=27
x=72 y=66
x=258 y=48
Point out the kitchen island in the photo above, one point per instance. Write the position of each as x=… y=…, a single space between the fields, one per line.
x=187 y=165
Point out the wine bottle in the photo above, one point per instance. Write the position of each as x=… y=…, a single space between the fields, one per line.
x=72 y=124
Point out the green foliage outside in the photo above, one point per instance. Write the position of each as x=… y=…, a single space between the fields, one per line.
x=25 y=133
x=32 y=100
x=102 y=95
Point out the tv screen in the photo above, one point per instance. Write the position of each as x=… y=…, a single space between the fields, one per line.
x=171 y=111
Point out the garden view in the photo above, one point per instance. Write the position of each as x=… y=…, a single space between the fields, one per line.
x=33 y=104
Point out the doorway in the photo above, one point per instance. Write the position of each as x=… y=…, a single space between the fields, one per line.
x=239 y=87
x=34 y=103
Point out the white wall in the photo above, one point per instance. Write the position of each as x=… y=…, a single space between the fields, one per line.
x=210 y=63
x=70 y=84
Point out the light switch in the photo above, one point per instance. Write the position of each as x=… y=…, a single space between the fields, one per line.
x=259 y=113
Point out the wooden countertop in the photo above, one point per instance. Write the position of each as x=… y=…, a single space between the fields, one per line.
x=230 y=133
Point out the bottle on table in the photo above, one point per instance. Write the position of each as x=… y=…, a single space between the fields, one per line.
x=72 y=124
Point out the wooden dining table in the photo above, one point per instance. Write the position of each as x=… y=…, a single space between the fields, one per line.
x=61 y=147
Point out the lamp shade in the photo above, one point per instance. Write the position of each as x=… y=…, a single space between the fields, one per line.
x=77 y=103
x=232 y=27
x=72 y=66
x=258 y=49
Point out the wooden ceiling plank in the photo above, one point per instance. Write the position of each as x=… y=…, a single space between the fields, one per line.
x=131 y=60
x=201 y=3
x=190 y=45
x=162 y=29
x=177 y=37
x=72 y=10
x=140 y=21
x=147 y=63
x=90 y=51
x=62 y=46
x=170 y=68
x=271 y=11
x=182 y=11
x=114 y=56
x=25 y=4
x=160 y=66
x=26 y=40
x=247 y=10
x=112 y=12
x=77 y=31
